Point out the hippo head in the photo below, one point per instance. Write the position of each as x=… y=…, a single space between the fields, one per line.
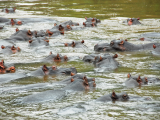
x=118 y=45
x=57 y=58
x=11 y=69
x=133 y=21
x=87 y=84
x=13 y=22
x=124 y=96
x=14 y=49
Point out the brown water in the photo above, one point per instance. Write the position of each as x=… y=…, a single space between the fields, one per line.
x=112 y=13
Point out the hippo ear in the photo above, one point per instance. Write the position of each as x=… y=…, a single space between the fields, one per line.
x=66 y=44
x=126 y=40
x=95 y=58
x=72 y=74
x=30 y=41
x=17 y=29
x=129 y=75
x=115 y=56
x=154 y=46
x=72 y=79
x=100 y=59
x=50 y=53
x=2 y=46
x=84 y=23
x=55 y=24
x=113 y=94
x=121 y=43
x=14 y=9
x=82 y=41
x=93 y=20
x=138 y=18
x=86 y=18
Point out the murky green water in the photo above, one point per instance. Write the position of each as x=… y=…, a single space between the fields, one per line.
x=112 y=13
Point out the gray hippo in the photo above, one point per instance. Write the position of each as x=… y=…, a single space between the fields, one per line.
x=55 y=57
x=75 y=44
x=150 y=36
x=124 y=45
x=74 y=86
x=120 y=97
x=21 y=35
x=9 y=10
x=105 y=61
x=8 y=50
x=44 y=70
x=40 y=41
x=91 y=22
x=132 y=21
x=103 y=47
x=135 y=81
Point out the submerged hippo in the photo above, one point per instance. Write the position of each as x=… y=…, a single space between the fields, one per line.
x=9 y=50
x=55 y=58
x=91 y=22
x=132 y=21
x=135 y=81
x=120 y=97
x=9 y=10
x=106 y=61
x=74 y=86
x=150 y=36
x=103 y=47
x=44 y=70
x=6 y=68
x=21 y=35
x=40 y=41
x=75 y=44
x=124 y=45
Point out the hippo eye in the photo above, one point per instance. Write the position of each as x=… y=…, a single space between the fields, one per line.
x=112 y=43
x=125 y=97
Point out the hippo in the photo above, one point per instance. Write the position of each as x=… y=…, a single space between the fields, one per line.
x=106 y=62
x=103 y=47
x=9 y=10
x=75 y=44
x=21 y=35
x=44 y=70
x=55 y=58
x=124 y=45
x=150 y=36
x=135 y=81
x=8 y=50
x=120 y=97
x=6 y=68
x=132 y=21
x=53 y=33
x=77 y=85
x=75 y=77
x=40 y=41
x=93 y=20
